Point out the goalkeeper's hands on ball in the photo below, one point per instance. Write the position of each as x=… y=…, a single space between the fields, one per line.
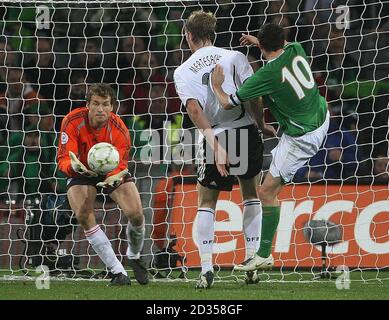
x=78 y=167
x=113 y=181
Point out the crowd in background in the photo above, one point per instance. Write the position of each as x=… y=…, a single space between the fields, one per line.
x=44 y=74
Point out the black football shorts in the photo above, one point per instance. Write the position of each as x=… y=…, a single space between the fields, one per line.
x=84 y=181
x=207 y=173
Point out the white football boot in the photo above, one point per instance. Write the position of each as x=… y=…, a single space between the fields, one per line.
x=256 y=263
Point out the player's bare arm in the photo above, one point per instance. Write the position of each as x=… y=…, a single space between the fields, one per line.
x=255 y=109
x=247 y=40
x=196 y=114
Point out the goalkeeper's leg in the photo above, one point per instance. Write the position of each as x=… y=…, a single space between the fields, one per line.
x=81 y=200
x=128 y=199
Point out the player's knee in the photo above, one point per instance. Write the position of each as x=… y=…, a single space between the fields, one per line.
x=137 y=219
x=207 y=201
x=250 y=194
x=135 y=215
x=84 y=219
x=83 y=215
x=265 y=195
x=207 y=204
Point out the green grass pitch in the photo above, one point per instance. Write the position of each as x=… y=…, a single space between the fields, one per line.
x=363 y=286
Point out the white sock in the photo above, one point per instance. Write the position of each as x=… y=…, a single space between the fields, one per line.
x=103 y=248
x=205 y=237
x=135 y=236
x=252 y=221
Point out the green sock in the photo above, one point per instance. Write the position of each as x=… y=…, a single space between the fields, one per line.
x=270 y=219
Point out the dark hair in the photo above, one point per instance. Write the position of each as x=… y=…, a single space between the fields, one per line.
x=101 y=90
x=202 y=25
x=271 y=37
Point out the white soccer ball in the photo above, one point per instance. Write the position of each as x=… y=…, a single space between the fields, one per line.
x=103 y=157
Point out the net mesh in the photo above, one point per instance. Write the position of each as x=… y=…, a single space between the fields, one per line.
x=50 y=53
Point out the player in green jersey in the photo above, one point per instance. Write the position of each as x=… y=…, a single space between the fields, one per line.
x=287 y=87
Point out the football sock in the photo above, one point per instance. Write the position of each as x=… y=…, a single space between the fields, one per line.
x=252 y=219
x=270 y=219
x=205 y=235
x=135 y=236
x=103 y=248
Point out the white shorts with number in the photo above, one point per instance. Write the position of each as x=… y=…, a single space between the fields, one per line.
x=292 y=153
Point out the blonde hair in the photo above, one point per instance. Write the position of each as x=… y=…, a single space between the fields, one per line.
x=202 y=25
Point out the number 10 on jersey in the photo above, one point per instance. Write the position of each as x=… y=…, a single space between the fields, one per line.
x=298 y=79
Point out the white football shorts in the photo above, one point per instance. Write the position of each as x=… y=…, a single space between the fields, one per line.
x=292 y=153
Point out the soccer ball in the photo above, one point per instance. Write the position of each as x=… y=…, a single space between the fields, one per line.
x=103 y=157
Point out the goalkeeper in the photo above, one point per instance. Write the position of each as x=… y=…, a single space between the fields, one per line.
x=80 y=130
x=287 y=87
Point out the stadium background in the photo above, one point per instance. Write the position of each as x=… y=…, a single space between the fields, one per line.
x=45 y=68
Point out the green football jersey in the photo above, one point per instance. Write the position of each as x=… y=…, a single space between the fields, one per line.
x=289 y=90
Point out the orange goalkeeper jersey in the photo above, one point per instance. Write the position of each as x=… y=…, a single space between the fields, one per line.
x=78 y=136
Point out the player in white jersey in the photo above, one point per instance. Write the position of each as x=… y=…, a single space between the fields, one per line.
x=234 y=127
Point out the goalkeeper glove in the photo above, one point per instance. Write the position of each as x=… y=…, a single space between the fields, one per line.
x=78 y=167
x=113 y=181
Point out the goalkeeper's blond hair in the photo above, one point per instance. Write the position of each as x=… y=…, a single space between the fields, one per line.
x=202 y=25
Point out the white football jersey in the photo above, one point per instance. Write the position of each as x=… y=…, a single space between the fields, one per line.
x=193 y=81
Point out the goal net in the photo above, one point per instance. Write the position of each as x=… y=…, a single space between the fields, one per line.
x=51 y=51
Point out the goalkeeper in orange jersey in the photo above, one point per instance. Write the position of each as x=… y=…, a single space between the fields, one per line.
x=80 y=130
